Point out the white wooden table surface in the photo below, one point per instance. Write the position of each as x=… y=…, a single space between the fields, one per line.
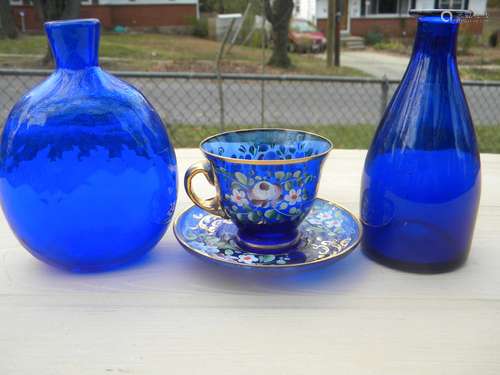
x=172 y=313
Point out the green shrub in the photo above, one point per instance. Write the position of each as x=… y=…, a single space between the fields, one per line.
x=199 y=26
x=395 y=45
x=493 y=39
x=466 y=41
x=374 y=37
x=256 y=39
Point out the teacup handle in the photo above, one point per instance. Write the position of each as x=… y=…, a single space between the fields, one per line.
x=211 y=205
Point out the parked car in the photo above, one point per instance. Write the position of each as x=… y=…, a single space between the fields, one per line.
x=304 y=36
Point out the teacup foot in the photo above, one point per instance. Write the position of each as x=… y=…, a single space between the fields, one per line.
x=268 y=244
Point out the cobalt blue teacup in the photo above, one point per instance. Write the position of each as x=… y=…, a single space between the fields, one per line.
x=266 y=182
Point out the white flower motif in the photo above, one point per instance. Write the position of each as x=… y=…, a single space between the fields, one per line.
x=263 y=193
x=332 y=223
x=324 y=215
x=282 y=260
x=239 y=197
x=293 y=196
x=247 y=258
x=314 y=220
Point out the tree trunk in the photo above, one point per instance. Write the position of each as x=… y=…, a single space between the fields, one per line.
x=279 y=14
x=280 y=58
x=7 y=20
x=220 y=7
x=51 y=10
x=71 y=10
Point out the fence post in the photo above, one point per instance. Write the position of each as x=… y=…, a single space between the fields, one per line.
x=263 y=65
x=384 y=97
x=219 y=76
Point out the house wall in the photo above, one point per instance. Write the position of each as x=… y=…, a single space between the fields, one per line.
x=396 y=26
x=321 y=9
x=399 y=26
x=322 y=14
x=393 y=27
x=139 y=15
x=306 y=9
x=424 y=4
x=478 y=7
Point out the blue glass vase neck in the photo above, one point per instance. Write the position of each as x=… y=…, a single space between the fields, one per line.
x=74 y=44
x=436 y=39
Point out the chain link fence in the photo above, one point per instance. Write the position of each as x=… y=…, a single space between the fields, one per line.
x=346 y=109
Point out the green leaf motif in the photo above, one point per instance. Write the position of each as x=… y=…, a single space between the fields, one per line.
x=270 y=214
x=253 y=216
x=240 y=216
x=191 y=236
x=283 y=206
x=241 y=177
x=288 y=185
x=296 y=174
x=308 y=179
x=293 y=210
x=279 y=175
x=267 y=258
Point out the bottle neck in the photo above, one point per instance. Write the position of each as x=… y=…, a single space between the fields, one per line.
x=436 y=40
x=75 y=43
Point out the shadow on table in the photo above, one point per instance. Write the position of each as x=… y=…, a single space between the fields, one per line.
x=168 y=267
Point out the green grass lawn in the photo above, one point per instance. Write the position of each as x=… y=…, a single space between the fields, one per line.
x=343 y=137
x=158 y=52
x=478 y=73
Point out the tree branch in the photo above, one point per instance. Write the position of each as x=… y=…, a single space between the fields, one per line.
x=268 y=11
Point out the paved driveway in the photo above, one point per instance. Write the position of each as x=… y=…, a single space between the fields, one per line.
x=375 y=63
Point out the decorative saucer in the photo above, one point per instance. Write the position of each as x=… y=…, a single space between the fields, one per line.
x=328 y=233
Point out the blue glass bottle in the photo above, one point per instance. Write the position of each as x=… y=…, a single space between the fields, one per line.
x=421 y=181
x=88 y=176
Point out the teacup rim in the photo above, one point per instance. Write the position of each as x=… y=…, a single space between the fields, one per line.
x=267 y=162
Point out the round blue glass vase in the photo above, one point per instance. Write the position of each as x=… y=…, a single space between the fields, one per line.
x=421 y=182
x=88 y=174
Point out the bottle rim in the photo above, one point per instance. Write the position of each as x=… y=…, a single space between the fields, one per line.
x=75 y=22
x=441 y=12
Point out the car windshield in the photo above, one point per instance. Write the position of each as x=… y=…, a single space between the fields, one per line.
x=303 y=27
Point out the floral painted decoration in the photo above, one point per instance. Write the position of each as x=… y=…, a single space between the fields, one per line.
x=328 y=232
x=265 y=195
